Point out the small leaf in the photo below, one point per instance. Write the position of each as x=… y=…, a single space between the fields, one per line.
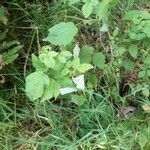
x=62 y=59
x=65 y=71
x=128 y=65
x=47 y=60
x=84 y=67
x=133 y=50
x=38 y=65
x=142 y=74
x=87 y=9
x=62 y=33
x=145 y=92
x=86 y=54
x=66 y=54
x=99 y=60
x=78 y=99
x=35 y=83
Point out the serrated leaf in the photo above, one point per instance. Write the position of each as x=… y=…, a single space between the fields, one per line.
x=84 y=67
x=99 y=60
x=62 y=33
x=86 y=54
x=87 y=9
x=35 y=83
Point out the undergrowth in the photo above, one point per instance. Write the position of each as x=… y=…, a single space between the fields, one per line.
x=102 y=62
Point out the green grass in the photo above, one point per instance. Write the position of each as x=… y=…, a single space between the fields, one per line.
x=60 y=124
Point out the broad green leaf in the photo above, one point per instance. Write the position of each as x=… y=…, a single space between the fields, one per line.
x=84 y=67
x=87 y=9
x=38 y=65
x=51 y=91
x=62 y=33
x=133 y=50
x=102 y=9
x=35 y=83
x=136 y=15
x=86 y=54
x=99 y=60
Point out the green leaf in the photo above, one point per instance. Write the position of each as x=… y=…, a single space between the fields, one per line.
x=38 y=65
x=66 y=54
x=99 y=60
x=146 y=28
x=47 y=60
x=62 y=59
x=35 y=83
x=133 y=50
x=76 y=63
x=128 y=65
x=102 y=9
x=65 y=71
x=78 y=99
x=145 y=92
x=62 y=33
x=51 y=91
x=86 y=54
x=87 y=9
x=71 y=2
x=84 y=67
x=119 y=51
x=142 y=74
x=147 y=60
x=135 y=15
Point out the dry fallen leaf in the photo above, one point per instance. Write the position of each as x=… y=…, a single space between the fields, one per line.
x=1 y=62
x=126 y=111
x=146 y=107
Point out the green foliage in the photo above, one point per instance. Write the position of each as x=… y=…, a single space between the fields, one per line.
x=62 y=33
x=140 y=24
x=54 y=70
x=99 y=60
